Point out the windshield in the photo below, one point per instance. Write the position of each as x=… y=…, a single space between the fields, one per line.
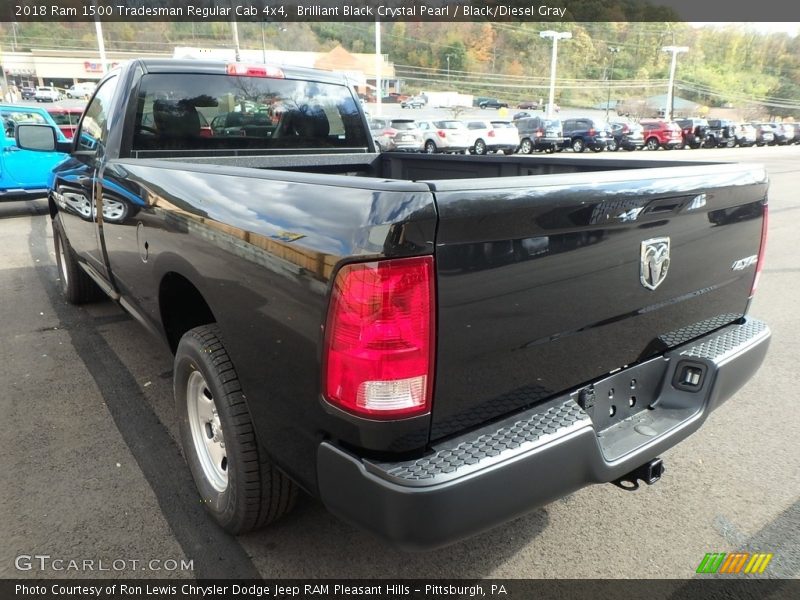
x=449 y=124
x=246 y=113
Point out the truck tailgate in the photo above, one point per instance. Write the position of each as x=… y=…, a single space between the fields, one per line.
x=546 y=283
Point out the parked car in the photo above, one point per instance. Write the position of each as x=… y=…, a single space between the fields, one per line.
x=783 y=134
x=493 y=136
x=81 y=90
x=396 y=134
x=540 y=134
x=493 y=103
x=586 y=132
x=28 y=93
x=447 y=135
x=628 y=136
x=794 y=130
x=720 y=133
x=66 y=118
x=693 y=131
x=25 y=172
x=661 y=134
x=432 y=348
x=765 y=135
x=47 y=93
x=744 y=135
x=413 y=102
x=529 y=104
x=523 y=114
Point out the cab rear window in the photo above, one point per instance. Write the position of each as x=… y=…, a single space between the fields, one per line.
x=198 y=114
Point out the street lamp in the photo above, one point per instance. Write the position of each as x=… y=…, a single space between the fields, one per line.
x=555 y=35
x=675 y=50
x=614 y=51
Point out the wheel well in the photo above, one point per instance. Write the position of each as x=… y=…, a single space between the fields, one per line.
x=182 y=308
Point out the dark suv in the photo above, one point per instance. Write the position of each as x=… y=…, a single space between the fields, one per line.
x=493 y=103
x=585 y=132
x=693 y=131
x=538 y=133
x=721 y=132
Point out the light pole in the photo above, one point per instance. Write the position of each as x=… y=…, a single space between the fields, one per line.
x=675 y=50
x=614 y=51
x=447 y=56
x=555 y=35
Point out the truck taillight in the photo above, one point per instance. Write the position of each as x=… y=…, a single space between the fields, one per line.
x=244 y=70
x=378 y=353
x=761 y=250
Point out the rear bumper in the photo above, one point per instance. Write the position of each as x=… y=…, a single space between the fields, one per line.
x=476 y=481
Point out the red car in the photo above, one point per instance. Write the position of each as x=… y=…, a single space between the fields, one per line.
x=661 y=134
x=66 y=118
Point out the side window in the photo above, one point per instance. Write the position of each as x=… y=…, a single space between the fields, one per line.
x=94 y=128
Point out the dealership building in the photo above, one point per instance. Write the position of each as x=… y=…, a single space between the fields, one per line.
x=63 y=68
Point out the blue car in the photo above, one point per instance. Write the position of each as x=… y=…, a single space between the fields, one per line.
x=24 y=173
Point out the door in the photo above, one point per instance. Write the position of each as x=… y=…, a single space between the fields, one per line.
x=24 y=169
x=77 y=184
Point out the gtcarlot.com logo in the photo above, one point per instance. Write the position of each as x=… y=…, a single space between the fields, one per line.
x=45 y=562
x=734 y=563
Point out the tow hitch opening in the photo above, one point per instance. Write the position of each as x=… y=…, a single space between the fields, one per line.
x=649 y=472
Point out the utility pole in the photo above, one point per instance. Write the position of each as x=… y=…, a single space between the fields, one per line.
x=236 y=50
x=555 y=36
x=675 y=50
x=101 y=46
x=378 y=65
x=614 y=51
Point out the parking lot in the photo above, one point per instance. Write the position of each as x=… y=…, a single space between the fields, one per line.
x=93 y=470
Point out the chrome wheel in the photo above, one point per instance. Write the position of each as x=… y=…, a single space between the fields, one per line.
x=113 y=210
x=206 y=429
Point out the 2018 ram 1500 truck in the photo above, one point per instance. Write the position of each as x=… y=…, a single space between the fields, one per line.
x=431 y=345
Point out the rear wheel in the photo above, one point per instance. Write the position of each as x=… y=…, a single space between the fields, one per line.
x=578 y=145
x=652 y=144
x=479 y=148
x=526 y=146
x=239 y=485
x=430 y=147
x=76 y=285
x=613 y=146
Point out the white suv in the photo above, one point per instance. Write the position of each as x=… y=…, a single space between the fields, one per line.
x=493 y=136
x=48 y=94
x=447 y=135
x=81 y=90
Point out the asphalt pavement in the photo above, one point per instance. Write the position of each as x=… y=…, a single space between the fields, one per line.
x=92 y=469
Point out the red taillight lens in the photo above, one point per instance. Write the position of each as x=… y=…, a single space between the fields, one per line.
x=378 y=353
x=390 y=132
x=592 y=131
x=243 y=70
x=441 y=133
x=491 y=133
x=761 y=250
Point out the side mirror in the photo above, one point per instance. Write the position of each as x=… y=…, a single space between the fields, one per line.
x=41 y=138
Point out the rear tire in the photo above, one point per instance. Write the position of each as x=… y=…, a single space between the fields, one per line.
x=76 y=285
x=430 y=147
x=479 y=148
x=239 y=485
x=652 y=144
x=613 y=146
x=578 y=145
x=526 y=146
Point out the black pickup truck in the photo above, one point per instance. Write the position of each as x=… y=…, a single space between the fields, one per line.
x=431 y=345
